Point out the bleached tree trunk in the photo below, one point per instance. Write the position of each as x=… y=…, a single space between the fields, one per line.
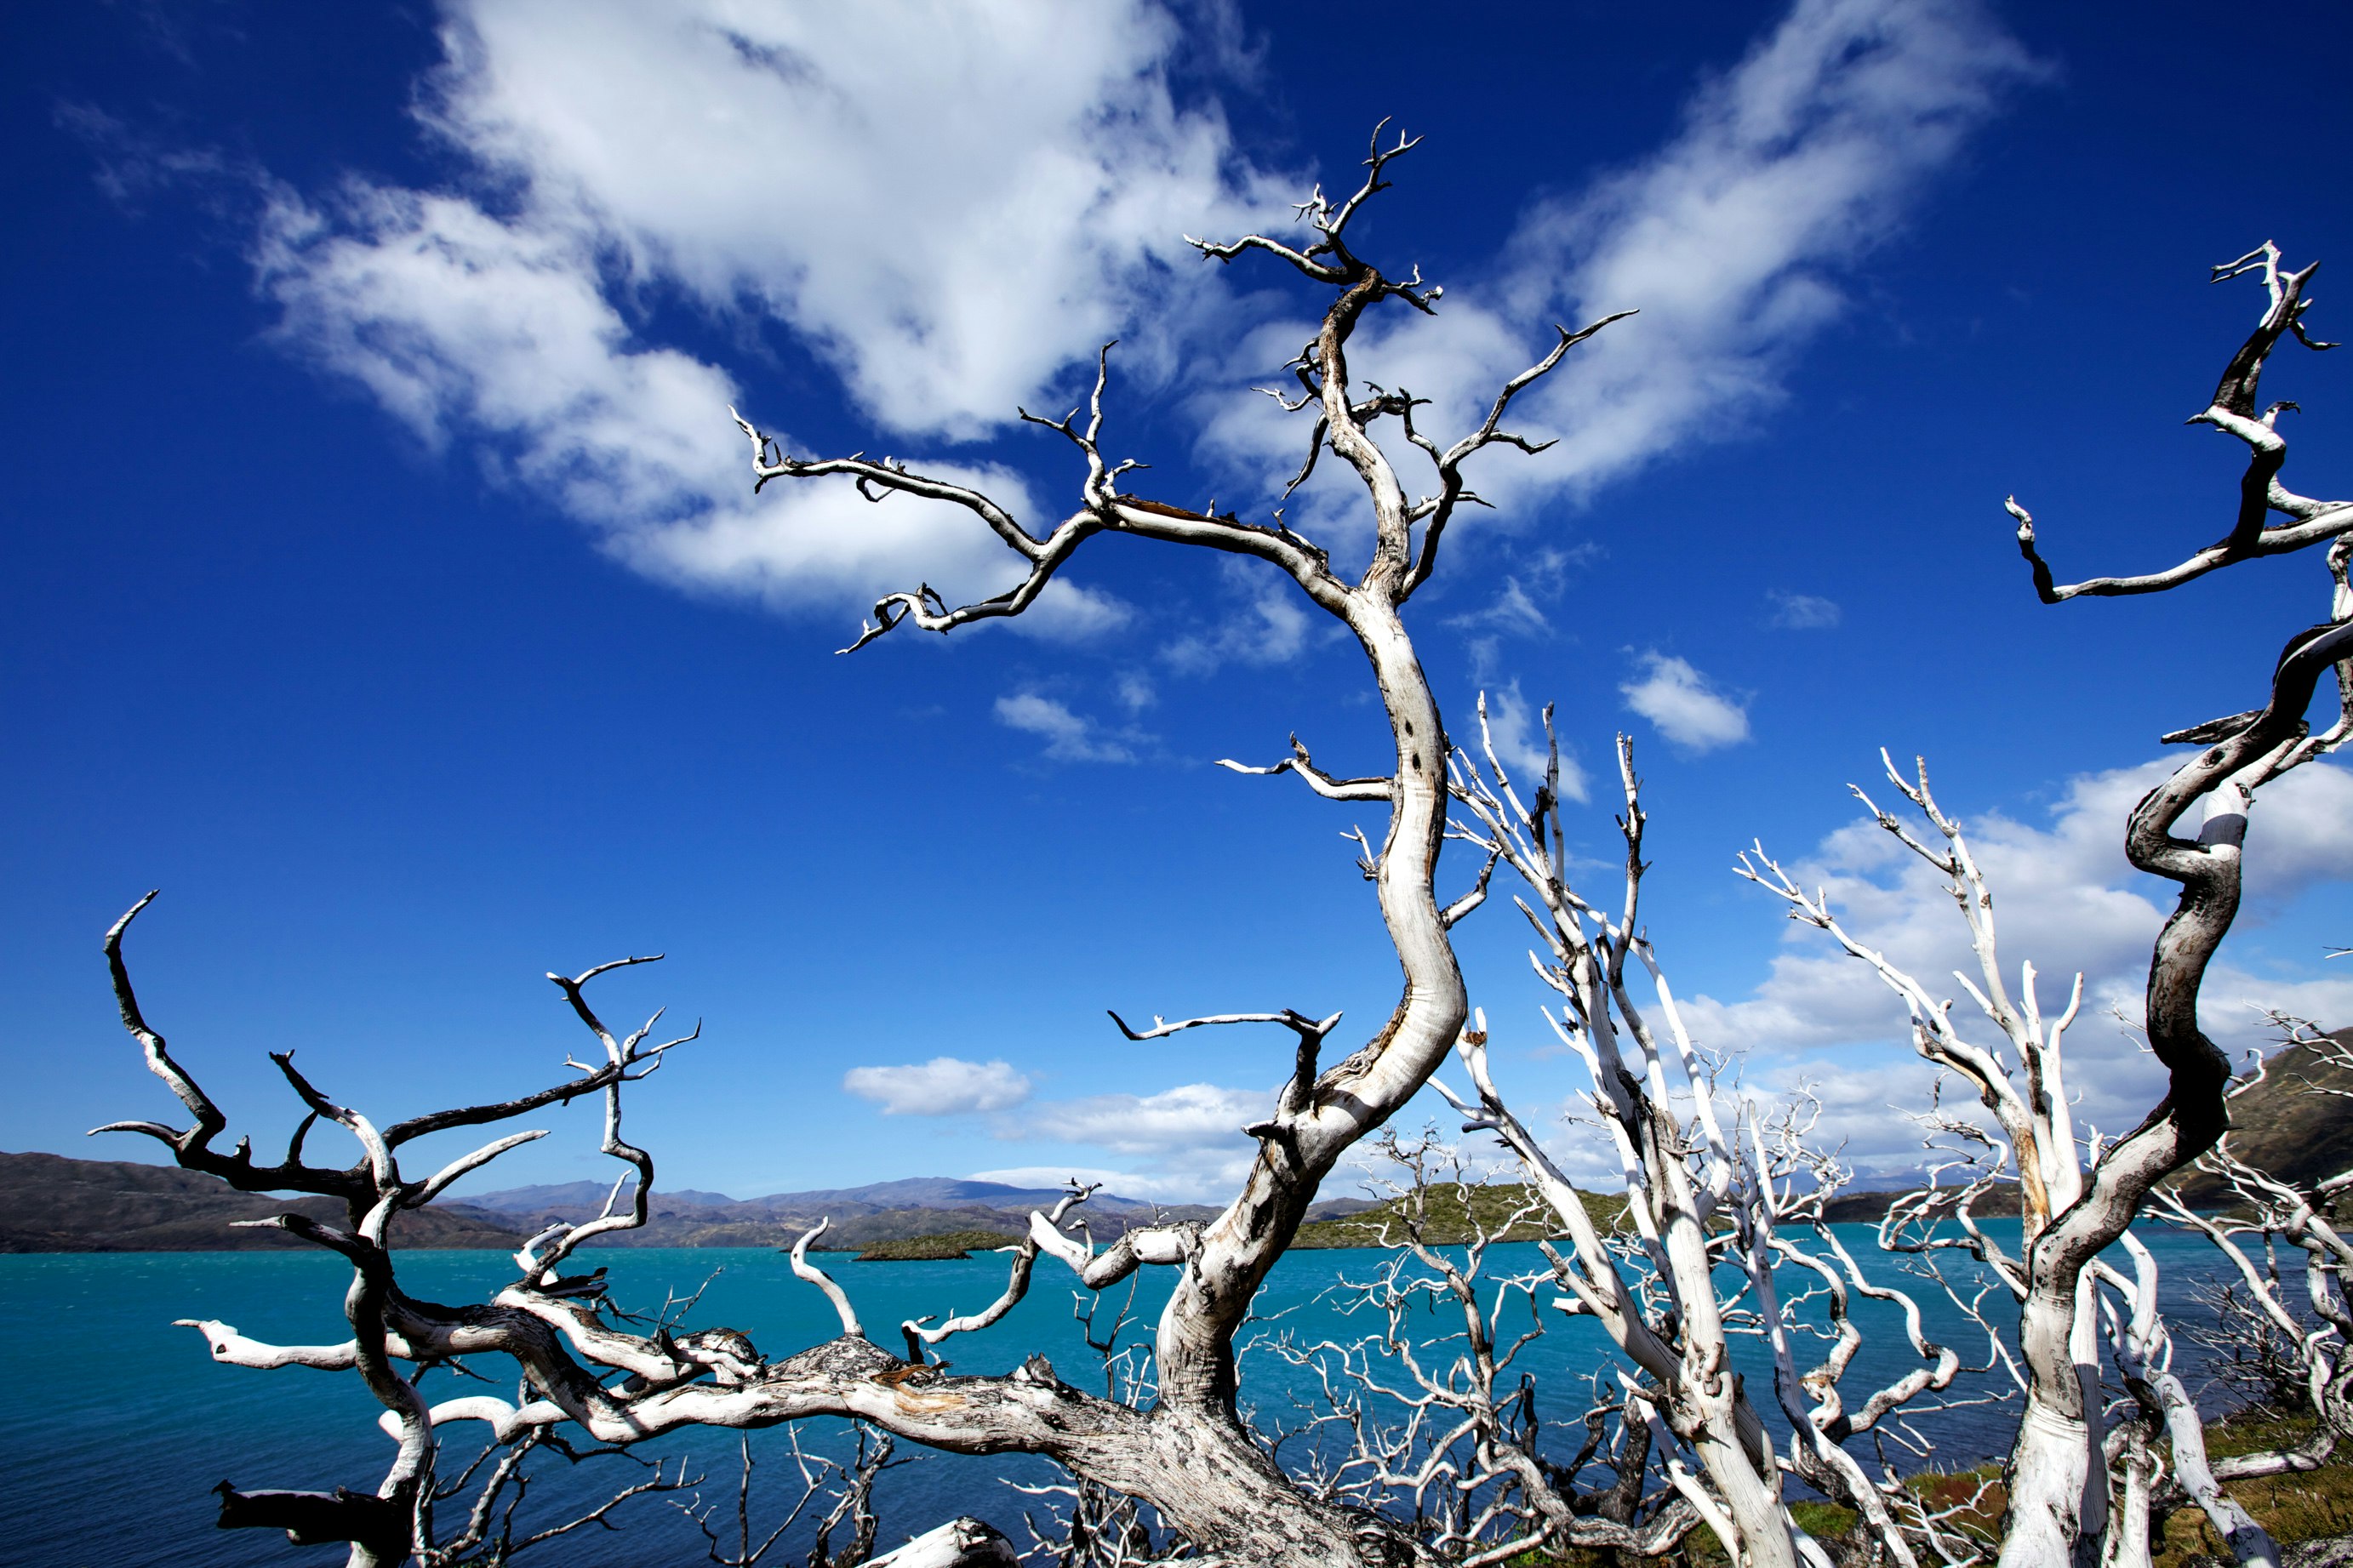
x=1189 y=1456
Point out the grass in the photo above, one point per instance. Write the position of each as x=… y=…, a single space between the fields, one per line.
x=2315 y=1505
x=2308 y=1506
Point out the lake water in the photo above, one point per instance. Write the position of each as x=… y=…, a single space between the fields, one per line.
x=119 y=1424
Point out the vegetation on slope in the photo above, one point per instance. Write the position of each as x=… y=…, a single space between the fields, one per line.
x=2297 y=1125
x=51 y=1203
x=930 y=1249
x=1448 y=1213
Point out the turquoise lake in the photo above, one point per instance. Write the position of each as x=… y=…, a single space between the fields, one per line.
x=119 y=1424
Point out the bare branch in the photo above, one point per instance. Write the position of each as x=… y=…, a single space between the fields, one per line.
x=1321 y=783
x=2232 y=411
x=818 y=1276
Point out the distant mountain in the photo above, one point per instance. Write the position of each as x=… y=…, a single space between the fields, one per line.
x=861 y=1217
x=49 y=1202
x=912 y=1192
x=2289 y=1126
x=1871 y=1207
x=1507 y=1211
x=574 y=1194
x=52 y=1203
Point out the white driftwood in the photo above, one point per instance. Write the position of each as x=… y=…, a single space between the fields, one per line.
x=961 y=1542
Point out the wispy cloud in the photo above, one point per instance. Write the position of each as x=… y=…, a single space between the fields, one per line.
x=966 y=210
x=2069 y=901
x=1802 y=612
x=1183 y=1144
x=1136 y=691
x=944 y=1086
x=1688 y=709
x=1268 y=621
x=1069 y=737
x=1515 y=728
x=1734 y=241
x=1732 y=238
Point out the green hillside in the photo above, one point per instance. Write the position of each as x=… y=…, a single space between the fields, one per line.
x=928 y=1248
x=2288 y=1125
x=52 y=1203
x=1448 y=1211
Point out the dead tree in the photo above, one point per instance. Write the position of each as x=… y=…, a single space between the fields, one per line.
x=2056 y=1502
x=2075 y=1489
x=2296 y=1356
x=1191 y=1457
x=2020 y=1082
x=1440 y=1430
x=1188 y=1456
x=1711 y=1185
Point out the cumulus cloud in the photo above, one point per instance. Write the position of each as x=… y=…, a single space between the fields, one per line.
x=1069 y=737
x=2066 y=899
x=944 y=1086
x=949 y=209
x=1802 y=612
x=1182 y=1144
x=1687 y=708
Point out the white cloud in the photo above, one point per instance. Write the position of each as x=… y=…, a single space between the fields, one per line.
x=1689 y=711
x=1515 y=727
x=951 y=204
x=1802 y=612
x=1183 y=1144
x=1135 y=691
x=1512 y=610
x=1731 y=241
x=944 y=1086
x=1270 y=628
x=951 y=201
x=2067 y=900
x=1069 y=737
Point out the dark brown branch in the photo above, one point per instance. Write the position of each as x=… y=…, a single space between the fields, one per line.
x=209 y=1120
x=2191 y=1117
x=2232 y=411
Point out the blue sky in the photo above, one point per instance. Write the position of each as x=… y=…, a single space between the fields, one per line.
x=384 y=583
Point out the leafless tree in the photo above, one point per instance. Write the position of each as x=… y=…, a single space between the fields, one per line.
x=2258 y=1340
x=1188 y=1456
x=2061 y=1483
x=2020 y=1082
x=1712 y=1183
x=1441 y=1429
x=2053 y=1500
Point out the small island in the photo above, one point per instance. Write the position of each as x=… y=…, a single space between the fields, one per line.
x=931 y=1249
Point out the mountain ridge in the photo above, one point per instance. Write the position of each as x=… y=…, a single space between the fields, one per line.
x=56 y=1202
